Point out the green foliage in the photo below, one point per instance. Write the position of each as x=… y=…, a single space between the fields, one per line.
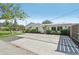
x=11 y=12
x=51 y=32
x=26 y=31
x=54 y=32
x=31 y=30
x=4 y=33
x=18 y=27
x=65 y=32
x=4 y=28
x=48 y=32
x=46 y=22
x=34 y=31
x=62 y=32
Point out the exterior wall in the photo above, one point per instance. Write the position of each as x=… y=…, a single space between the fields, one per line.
x=49 y=26
x=63 y=27
x=40 y=29
x=74 y=32
x=34 y=26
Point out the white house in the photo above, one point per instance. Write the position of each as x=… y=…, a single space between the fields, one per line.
x=56 y=27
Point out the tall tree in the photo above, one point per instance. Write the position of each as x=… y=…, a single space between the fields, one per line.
x=10 y=12
x=46 y=22
x=5 y=12
x=17 y=14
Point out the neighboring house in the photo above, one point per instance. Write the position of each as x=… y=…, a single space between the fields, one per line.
x=1 y=24
x=56 y=27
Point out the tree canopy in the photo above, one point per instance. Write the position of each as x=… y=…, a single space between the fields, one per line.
x=11 y=12
x=46 y=22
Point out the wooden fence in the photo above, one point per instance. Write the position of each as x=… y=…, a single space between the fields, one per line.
x=74 y=32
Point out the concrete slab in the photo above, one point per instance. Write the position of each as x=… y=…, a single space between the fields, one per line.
x=8 y=49
x=42 y=37
x=44 y=44
x=39 y=47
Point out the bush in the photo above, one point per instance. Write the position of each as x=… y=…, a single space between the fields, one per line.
x=4 y=33
x=4 y=28
x=31 y=31
x=34 y=31
x=48 y=31
x=26 y=31
x=54 y=32
x=65 y=32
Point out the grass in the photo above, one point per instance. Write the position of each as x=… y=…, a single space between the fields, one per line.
x=8 y=33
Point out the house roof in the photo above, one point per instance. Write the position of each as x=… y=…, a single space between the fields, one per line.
x=62 y=24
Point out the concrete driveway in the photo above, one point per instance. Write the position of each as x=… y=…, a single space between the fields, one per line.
x=9 y=49
x=44 y=44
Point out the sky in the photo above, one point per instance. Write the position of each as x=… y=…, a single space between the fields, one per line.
x=55 y=12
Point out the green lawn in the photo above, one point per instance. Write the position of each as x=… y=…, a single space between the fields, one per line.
x=8 y=33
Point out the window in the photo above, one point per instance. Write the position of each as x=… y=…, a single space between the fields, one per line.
x=37 y=28
x=59 y=28
x=53 y=28
x=65 y=26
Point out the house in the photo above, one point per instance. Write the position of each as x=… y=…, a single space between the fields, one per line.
x=55 y=27
x=1 y=24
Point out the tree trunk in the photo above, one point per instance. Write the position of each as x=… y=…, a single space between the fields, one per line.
x=8 y=24
x=15 y=24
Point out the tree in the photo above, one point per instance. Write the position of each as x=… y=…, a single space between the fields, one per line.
x=5 y=12
x=9 y=12
x=46 y=22
x=17 y=13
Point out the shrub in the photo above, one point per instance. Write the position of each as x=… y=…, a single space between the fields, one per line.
x=4 y=33
x=48 y=31
x=4 y=28
x=26 y=31
x=54 y=32
x=34 y=31
x=65 y=32
x=31 y=31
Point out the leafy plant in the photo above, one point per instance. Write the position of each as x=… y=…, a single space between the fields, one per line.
x=48 y=32
x=65 y=32
x=4 y=28
x=11 y=12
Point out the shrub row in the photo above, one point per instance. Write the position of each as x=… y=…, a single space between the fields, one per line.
x=65 y=32
x=4 y=28
x=31 y=31
x=62 y=32
x=4 y=33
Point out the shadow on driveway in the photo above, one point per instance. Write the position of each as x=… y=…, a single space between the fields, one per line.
x=67 y=46
x=11 y=38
